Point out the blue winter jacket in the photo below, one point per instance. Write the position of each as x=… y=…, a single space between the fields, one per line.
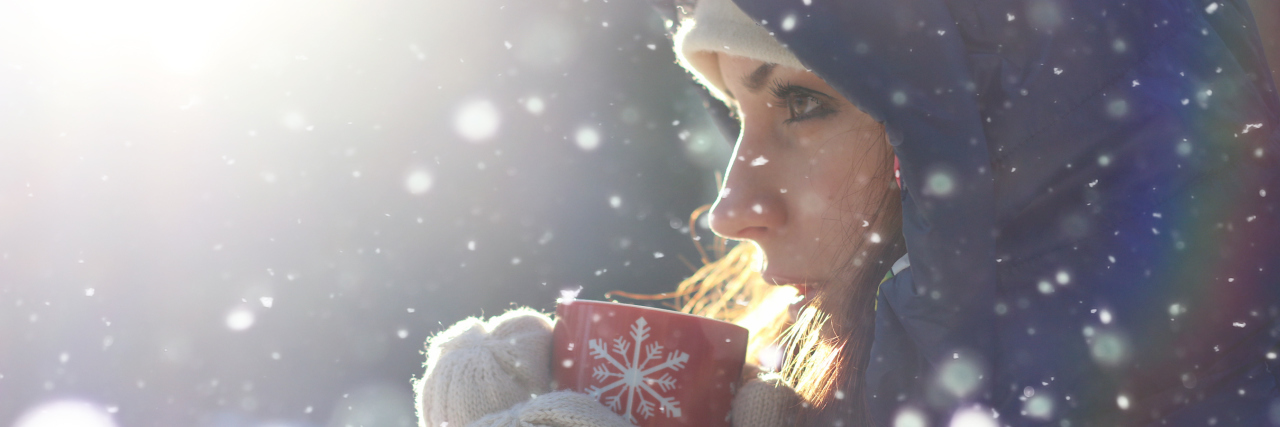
x=1085 y=201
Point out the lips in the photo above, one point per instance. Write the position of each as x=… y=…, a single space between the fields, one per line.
x=803 y=286
x=803 y=290
x=778 y=280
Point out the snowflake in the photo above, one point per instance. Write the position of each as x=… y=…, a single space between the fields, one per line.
x=634 y=377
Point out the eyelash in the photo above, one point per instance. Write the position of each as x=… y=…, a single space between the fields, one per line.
x=786 y=92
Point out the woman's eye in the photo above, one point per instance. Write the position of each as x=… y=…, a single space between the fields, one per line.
x=801 y=103
x=802 y=106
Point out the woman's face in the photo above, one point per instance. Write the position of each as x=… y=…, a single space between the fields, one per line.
x=802 y=175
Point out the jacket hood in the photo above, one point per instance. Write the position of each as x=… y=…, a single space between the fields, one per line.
x=1059 y=158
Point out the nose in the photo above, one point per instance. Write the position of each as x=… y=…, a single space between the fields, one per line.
x=750 y=204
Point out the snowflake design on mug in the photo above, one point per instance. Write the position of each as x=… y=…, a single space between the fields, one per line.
x=634 y=377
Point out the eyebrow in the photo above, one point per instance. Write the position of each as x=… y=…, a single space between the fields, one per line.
x=757 y=78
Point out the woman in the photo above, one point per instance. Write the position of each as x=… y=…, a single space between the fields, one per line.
x=1083 y=193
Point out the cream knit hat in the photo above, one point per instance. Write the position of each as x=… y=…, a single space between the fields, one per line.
x=720 y=26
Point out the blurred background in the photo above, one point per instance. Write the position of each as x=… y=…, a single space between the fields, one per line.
x=252 y=213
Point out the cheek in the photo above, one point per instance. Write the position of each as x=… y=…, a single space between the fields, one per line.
x=812 y=203
x=838 y=182
x=832 y=172
x=815 y=192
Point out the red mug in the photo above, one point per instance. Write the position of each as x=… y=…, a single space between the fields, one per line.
x=654 y=367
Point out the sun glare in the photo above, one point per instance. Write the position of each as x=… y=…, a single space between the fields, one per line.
x=178 y=34
x=64 y=413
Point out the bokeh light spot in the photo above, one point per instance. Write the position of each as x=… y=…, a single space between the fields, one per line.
x=588 y=139
x=240 y=319
x=1184 y=148
x=959 y=377
x=789 y=22
x=899 y=98
x=1118 y=108
x=1119 y=46
x=1044 y=287
x=1108 y=348
x=1039 y=407
x=535 y=105
x=66 y=413
x=477 y=120
x=941 y=184
x=910 y=417
x=1044 y=15
x=418 y=182
x=972 y=417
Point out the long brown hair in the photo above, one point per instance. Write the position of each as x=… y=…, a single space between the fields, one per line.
x=827 y=346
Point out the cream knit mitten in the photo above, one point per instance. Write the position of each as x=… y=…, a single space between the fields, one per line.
x=476 y=368
x=765 y=401
x=558 y=409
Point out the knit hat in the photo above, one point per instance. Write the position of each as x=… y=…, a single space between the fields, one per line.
x=720 y=26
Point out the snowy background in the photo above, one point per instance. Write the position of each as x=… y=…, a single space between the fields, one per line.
x=252 y=213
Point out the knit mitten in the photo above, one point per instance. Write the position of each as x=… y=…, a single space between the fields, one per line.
x=558 y=409
x=476 y=368
x=765 y=401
